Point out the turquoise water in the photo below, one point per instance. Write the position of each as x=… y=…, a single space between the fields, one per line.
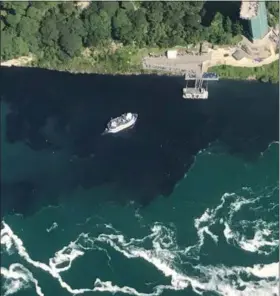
x=212 y=233
x=215 y=233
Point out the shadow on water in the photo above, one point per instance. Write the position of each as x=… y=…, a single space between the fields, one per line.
x=229 y=9
x=54 y=122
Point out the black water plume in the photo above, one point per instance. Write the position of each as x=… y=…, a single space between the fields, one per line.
x=53 y=123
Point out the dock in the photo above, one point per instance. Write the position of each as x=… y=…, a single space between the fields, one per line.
x=179 y=64
x=193 y=67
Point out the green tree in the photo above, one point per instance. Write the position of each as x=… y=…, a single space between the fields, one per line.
x=237 y=29
x=76 y=26
x=228 y=31
x=67 y=8
x=156 y=35
x=12 y=46
x=28 y=30
x=110 y=7
x=192 y=21
x=192 y=37
x=13 y=19
x=98 y=27
x=20 y=47
x=34 y=13
x=273 y=8
x=49 y=56
x=122 y=27
x=49 y=32
x=56 y=31
x=140 y=26
x=154 y=12
x=44 y=6
x=127 y=5
x=70 y=43
x=228 y=25
x=15 y=7
x=6 y=45
x=27 y=27
x=217 y=33
x=2 y=25
x=173 y=12
x=273 y=13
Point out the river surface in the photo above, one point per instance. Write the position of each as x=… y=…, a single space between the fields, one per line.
x=185 y=203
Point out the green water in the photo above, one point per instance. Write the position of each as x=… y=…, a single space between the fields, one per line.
x=158 y=248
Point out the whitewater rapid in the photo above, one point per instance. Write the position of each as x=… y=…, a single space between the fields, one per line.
x=164 y=254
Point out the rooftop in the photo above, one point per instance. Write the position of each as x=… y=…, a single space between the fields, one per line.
x=249 y=9
x=239 y=54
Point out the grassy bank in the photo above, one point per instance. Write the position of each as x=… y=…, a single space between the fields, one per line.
x=105 y=60
x=267 y=73
x=128 y=60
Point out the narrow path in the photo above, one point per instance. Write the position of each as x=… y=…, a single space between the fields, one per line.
x=20 y=61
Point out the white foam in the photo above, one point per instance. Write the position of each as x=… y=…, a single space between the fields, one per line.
x=163 y=257
x=203 y=224
x=229 y=282
x=261 y=243
x=17 y=277
x=7 y=241
x=51 y=269
x=257 y=243
x=265 y=271
x=216 y=281
x=53 y=226
x=265 y=239
x=107 y=286
x=268 y=147
x=61 y=257
x=211 y=279
x=65 y=257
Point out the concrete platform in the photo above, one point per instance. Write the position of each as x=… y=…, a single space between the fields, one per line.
x=181 y=64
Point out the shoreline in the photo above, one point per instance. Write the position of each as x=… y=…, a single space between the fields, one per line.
x=263 y=73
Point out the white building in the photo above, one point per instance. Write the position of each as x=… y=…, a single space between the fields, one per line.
x=172 y=54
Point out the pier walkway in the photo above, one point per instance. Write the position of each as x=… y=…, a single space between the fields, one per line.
x=181 y=64
x=193 y=67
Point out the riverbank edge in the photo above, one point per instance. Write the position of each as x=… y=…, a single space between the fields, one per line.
x=266 y=73
x=82 y=65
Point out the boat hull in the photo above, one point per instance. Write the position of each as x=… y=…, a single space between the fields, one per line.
x=122 y=127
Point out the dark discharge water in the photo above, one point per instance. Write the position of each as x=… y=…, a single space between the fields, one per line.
x=186 y=203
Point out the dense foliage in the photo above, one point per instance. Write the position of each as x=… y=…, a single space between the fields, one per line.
x=265 y=73
x=57 y=31
x=273 y=13
x=63 y=35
